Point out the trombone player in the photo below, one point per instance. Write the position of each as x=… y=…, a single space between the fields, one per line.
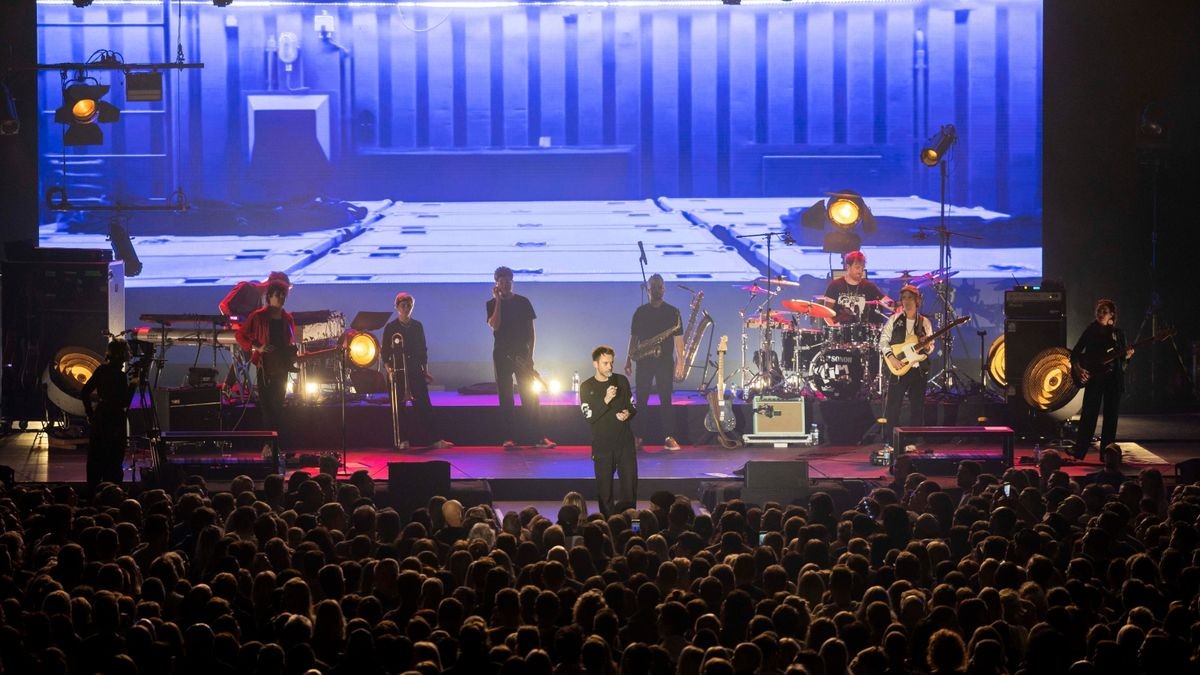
x=407 y=359
x=656 y=343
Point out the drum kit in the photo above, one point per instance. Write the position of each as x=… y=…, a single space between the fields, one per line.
x=819 y=356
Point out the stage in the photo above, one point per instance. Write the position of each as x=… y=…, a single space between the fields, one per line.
x=529 y=474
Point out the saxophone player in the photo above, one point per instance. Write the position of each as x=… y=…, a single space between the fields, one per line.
x=407 y=359
x=656 y=339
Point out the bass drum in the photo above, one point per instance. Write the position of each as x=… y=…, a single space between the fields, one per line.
x=842 y=373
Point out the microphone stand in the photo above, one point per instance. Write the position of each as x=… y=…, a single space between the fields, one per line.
x=768 y=346
x=642 y=262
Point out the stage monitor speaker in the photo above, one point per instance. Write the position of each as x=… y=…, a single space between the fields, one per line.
x=785 y=482
x=52 y=302
x=412 y=484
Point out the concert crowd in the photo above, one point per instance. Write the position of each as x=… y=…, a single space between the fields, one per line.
x=311 y=575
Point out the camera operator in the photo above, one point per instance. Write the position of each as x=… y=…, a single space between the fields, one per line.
x=109 y=417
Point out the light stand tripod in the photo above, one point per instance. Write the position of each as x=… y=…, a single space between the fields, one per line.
x=1150 y=158
x=947 y=379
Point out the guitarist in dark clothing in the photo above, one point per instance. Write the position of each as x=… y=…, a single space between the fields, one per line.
x=511 y=317
x=269 y=335
x=605 y=400
x=1103 y=383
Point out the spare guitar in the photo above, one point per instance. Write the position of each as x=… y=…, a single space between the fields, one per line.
x=1101 y=363
x=720 y=417
x=912 y=350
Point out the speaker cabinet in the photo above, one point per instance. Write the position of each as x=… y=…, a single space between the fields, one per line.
x=1033 y=321
x=412 y=484
x=785 y=482
x=50 y=302
x=188 y=408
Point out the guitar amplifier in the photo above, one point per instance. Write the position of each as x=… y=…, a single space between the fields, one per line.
x=188 y=408
x=1037 y=305
x=778 y=421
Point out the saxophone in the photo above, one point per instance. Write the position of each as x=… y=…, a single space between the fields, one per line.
x=692 y=336
x=651 y=348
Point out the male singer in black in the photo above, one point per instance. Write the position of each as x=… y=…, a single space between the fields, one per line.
x=511 y=317
x=650 y=320
x=849 y=294
x=606 y=402
x=1103 y=385
x=406 y=356
x=108 y=419
x=903 y=325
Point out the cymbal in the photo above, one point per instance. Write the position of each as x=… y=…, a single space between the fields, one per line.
x=778 y=282
x=755 y=289
x=810 y=308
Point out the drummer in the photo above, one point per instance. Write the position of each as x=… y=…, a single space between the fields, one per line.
x=855 y=298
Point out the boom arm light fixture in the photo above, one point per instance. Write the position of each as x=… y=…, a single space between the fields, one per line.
x=936 y=148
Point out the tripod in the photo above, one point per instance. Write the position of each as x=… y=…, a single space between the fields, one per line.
x=947 y=379
x=1152 y=318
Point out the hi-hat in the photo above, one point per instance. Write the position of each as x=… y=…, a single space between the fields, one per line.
x=812 y=309
x=755 y=289
x=778 y=282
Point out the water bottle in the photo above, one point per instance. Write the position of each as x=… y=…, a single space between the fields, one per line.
x=815 y=434
x=575 y=382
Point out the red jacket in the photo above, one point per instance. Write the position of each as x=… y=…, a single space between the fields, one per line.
x=255 y=331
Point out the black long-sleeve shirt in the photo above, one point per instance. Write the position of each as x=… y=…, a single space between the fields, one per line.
x=608 y=432
x=112 y=387
x=416 y=353
x=1097 y=343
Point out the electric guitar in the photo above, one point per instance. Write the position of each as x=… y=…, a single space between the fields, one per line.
x=1100 y=363
x=912 y=350
x=288 y=357
x=720 y=417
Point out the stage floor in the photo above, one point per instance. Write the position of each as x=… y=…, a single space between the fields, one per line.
x=536 y=474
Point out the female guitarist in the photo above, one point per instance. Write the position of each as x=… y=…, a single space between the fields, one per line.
x=1101 y=375
x=906 y=325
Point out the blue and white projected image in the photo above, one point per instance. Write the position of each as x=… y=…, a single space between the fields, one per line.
x=366 y=148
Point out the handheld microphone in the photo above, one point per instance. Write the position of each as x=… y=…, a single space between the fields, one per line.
x=643 y=250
